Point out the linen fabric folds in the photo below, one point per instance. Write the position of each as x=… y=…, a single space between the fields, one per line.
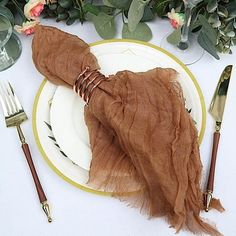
x=143 y=140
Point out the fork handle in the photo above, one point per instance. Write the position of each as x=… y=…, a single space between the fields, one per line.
x=41 y=194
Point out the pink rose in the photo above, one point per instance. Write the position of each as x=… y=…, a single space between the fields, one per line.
x=33 y=8
x=176 y=19
x=36 y=11
x=27 y=27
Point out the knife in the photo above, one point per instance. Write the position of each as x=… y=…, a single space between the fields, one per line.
x=217 y=110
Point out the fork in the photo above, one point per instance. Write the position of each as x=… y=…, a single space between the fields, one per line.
x=14 y=117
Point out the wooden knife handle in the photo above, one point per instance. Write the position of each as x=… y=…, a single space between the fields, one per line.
x=38 y=185
x=210 y=183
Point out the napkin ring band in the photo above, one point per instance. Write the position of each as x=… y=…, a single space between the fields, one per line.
x=86 y=82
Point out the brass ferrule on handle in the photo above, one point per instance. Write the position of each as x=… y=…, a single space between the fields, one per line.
x=20 y=133
x=208 y=199
x=46 y=210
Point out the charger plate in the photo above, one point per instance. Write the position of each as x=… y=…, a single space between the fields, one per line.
x=57 y=123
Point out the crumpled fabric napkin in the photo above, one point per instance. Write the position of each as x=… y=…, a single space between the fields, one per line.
x=142 y=138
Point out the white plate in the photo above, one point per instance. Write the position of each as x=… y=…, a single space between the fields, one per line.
x=68 y=123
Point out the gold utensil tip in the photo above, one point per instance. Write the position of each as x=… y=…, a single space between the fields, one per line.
x=208 y=200
x=46 y=210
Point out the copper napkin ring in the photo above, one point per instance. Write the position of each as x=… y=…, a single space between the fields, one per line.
x=86 y=83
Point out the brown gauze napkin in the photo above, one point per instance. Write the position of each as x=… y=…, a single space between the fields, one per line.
x=141 y=135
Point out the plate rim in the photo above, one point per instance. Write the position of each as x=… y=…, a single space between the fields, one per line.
x=40 y=89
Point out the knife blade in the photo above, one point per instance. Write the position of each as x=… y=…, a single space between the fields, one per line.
x=217 y=111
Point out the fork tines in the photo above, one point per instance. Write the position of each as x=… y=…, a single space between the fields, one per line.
x=12 y=109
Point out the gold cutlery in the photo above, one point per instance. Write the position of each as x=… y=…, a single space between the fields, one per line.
x=14 y=117
x=217 y=110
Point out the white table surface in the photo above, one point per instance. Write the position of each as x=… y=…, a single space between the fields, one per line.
x=78 y=213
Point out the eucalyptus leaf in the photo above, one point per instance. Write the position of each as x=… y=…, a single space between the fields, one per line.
x=65 y=3
x=88 y=7
x=60 y=9
x=234 y=42
x=211 y=6
x=73 y=14
x=106 y=9
x=7 y=13
x=161 y=6
x=220 y=47
x=222 y=11
x=195 y=27
x=121 y=4
x=229 y=27
x=135 y=13
x=234 y=24
x=142 y=32
x=206 y=43
x=62 y=16
x=3 y=2
x=175 y=37
x=147 y=14
x=213 y=18
x=216 y=24
x=231 y=34
x=70 y=21
x=232 y=9
x=104 y=25
x=207 y=29
x=52 y=7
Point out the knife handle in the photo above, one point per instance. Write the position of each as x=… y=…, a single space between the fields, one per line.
x=210 y=183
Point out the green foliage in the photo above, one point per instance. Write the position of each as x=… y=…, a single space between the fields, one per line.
x=7 y=13
x=142 y=32
x=135 y=13
x=175 y=37
x=120 y=4
x=218 y=32
x=3 y=2
x=105 y=25
x=213 y=20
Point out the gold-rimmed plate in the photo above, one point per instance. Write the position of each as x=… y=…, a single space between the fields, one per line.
x=113 y=56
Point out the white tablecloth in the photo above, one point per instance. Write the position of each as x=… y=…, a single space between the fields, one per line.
x=78 y=213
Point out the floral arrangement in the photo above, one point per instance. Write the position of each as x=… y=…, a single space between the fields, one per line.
x=214 y=21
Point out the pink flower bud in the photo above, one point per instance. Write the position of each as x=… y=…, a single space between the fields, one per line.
x=27 y=28
x=176 y=19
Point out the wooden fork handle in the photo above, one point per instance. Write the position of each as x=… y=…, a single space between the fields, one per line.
x=41 y=194
x=38 y=185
